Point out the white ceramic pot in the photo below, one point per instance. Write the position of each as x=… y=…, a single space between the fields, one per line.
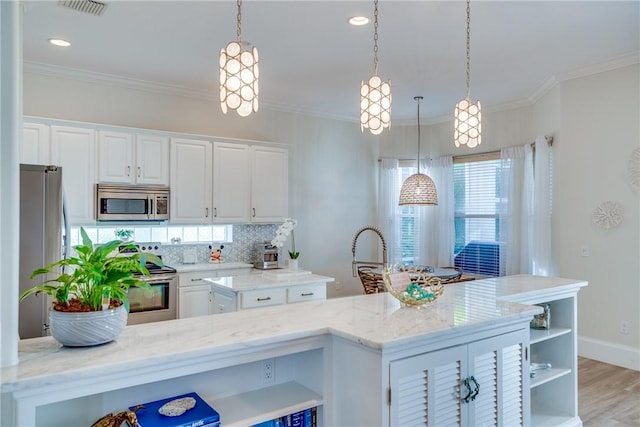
x=293 y=264
x=87 y=329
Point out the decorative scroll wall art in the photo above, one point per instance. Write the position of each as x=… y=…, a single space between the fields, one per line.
x=608 y=215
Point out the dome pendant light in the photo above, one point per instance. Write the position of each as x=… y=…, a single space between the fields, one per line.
x=375 y=95
x=466 y=116
x=239 y=76
x=418 y=189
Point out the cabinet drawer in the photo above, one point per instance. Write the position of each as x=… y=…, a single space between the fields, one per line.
x=307 y=292
x=263 y=298
x=194 y=278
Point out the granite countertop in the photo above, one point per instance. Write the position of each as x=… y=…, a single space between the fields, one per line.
x=267 y=279
x=203 y=266
x=376 y=321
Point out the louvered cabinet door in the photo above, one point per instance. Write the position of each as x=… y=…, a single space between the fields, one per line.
x=498 y=367
x=425 y=389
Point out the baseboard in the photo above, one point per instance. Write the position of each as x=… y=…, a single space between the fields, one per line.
x=614 y=354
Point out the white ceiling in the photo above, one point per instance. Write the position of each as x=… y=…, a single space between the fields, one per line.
x=312 y=61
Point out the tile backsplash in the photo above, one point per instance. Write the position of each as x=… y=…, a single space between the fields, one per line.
x=242 y=249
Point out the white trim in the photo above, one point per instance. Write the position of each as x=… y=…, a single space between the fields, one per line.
x=614 y=354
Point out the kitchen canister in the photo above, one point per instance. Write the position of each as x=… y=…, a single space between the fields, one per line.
x=542 y=320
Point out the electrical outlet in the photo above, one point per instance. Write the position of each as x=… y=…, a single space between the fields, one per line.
x=624 y=327
x=268 y=371
x=338 y=285
x=584 y=250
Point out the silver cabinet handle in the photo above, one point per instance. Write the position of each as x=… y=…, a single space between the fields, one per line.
x=254 y=212
x=307 y=294
x=206 y=212
x=215 y=212
x=128 y=170
x=196 y=280
x=138 y=171
x=264 y=299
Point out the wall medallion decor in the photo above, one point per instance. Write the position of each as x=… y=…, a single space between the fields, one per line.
x=608 y=215
x=633 y=169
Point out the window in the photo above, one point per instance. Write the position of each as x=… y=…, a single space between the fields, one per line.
x=476 y=216
x=162 y=234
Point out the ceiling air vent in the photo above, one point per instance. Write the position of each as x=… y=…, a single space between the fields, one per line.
x=87 y=6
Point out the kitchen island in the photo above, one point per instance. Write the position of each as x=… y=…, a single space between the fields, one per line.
x=263 y=289
x=351 y=357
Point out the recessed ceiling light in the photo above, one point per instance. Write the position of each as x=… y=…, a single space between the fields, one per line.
x=358 y=20
x=59 y=42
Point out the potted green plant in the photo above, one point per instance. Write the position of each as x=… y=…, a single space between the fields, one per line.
x=89 y=290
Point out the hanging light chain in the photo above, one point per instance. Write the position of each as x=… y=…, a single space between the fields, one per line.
x=418 y=98
x=469 y=49
x=239 y=19
x=375 y=37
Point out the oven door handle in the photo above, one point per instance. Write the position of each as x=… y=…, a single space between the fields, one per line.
x=158 y=279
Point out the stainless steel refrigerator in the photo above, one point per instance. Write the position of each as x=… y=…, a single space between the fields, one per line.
x=43 y=232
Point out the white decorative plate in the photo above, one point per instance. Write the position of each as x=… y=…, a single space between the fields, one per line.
x=608 y=215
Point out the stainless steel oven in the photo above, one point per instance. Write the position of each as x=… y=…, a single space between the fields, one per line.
x=159 y=302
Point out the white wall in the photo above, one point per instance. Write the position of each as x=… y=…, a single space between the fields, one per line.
x=600 y=128
x=331 y=180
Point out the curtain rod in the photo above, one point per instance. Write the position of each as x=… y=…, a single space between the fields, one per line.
x=485 y=154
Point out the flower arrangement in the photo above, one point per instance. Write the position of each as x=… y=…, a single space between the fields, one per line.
x=282 y=234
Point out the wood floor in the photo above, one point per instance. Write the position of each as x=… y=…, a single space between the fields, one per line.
x=608 y=396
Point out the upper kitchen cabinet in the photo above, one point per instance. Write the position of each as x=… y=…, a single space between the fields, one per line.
x=191 y=181
x=231 y=183
x=35 y=149
x=269 y=184
x=133 y=159
x=75 y=150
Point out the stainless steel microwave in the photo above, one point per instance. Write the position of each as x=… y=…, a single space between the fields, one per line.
x=132 y=202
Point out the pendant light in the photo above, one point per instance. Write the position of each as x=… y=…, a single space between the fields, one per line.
x=466 y=116
x=239 y=75
x=375 y=95
x=418 y=189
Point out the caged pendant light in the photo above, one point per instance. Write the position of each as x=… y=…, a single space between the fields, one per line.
x=239 y=76
x=375 y=95
x=418 y=189
x=466 y=116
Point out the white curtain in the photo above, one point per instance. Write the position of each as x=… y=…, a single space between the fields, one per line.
x=436 y=222
x=541 y=258
x=515 y=206
x=388 y=196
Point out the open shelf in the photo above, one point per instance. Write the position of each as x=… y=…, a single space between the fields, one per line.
x=265 y=404
x=546 y=375
x=538 y=335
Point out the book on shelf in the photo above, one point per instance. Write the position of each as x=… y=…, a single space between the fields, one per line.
x=201 y=415
x=306 y=418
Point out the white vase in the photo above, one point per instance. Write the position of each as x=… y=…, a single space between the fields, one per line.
x=88 y=328
x=293 y=264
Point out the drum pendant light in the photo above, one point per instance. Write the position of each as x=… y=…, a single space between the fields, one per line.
x=466 y=116
x=375 y=95
x=239 y=75
x=418 y=189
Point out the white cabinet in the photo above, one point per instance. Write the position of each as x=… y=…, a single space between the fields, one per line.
x=191 y=181
x=250 y=183
x=75 y=150
x=133 y=159
x=231 y=183
x=481 y=383
x=194 y=301
x=196 y=297
x=269 y=184
x=35 y=149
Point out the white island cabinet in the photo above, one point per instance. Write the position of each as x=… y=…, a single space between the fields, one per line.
x=266 y=289
x=362 y=361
